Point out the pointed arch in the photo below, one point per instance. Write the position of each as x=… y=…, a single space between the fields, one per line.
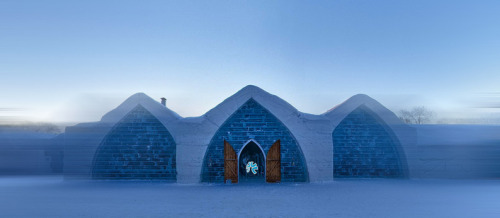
x=138 y=147
x=258 y=156
x=253 y=121
x=247 y=143
x=364 y=146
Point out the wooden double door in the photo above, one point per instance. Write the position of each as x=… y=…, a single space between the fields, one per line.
x=272 y=166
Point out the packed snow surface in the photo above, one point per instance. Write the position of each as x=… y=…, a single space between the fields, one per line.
x=54 y=197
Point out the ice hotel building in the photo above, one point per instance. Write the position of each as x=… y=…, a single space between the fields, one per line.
x=252 y=136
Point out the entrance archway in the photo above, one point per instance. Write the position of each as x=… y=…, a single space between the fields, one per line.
x=254 y=122
x=252 y=163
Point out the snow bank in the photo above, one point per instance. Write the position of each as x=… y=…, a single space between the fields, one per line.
x=51 y=197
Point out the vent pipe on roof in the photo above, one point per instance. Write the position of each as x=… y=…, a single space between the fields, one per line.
x=164 y=101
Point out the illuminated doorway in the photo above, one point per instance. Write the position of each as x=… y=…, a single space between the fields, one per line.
x=251 y=163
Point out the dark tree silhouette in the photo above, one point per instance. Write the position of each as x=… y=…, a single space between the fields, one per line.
x=417 y=115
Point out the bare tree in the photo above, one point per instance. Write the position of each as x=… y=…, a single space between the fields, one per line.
x=417 y=115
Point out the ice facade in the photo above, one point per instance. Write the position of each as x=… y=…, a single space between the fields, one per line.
x=253 y=121
x=364 y=147
x=139 y=147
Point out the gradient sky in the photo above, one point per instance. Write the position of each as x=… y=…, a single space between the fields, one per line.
x=76 y=60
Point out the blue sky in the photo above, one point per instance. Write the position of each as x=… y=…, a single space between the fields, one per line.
x=76 y=60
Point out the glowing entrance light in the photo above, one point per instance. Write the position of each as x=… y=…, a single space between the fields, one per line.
x=252 y=166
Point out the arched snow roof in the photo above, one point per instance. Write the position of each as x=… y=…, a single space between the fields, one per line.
x=339 y=112
x=405 y=133
x=162 y=113
x=277 y=106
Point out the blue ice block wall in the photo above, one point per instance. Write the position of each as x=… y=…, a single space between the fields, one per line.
x=365 y=147
x=253 y=121
x=138 y=147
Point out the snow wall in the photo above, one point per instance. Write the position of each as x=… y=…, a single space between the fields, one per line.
x=25 y=152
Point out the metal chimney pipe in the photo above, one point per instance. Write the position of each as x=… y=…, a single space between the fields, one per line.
x=164 y=101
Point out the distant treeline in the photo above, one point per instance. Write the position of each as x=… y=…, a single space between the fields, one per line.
x=40 y=127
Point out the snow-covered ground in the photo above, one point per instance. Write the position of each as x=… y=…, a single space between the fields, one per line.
x=54 y=197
